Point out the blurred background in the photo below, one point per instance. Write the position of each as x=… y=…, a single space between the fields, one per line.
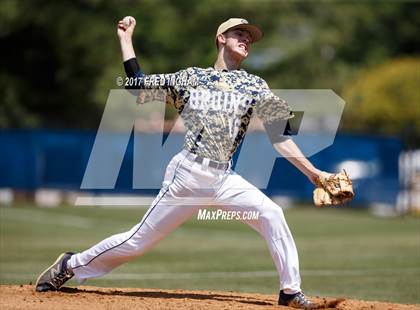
x=59 y=60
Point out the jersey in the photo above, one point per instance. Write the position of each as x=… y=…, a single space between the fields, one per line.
x=216 y=106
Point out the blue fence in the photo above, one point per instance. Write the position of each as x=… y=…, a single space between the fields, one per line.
x=32 y=159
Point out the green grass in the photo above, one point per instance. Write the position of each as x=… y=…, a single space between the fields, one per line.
x=342 y=252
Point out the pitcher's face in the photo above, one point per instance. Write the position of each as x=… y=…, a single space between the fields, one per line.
x=238 y=42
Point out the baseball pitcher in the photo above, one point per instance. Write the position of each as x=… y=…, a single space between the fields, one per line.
x=216 y=104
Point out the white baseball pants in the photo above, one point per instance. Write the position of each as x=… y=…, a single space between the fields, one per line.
x=187 y=187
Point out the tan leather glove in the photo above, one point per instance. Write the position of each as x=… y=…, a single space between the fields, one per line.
x=333 y=189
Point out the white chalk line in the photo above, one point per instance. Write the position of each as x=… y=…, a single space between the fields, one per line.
x=114 y=201
x=44 y=218
x=238 y=274
x=135 y=201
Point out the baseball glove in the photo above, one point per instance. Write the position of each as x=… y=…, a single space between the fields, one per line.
x=333 y=189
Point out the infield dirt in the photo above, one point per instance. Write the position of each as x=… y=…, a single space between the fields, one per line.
x=88 y=297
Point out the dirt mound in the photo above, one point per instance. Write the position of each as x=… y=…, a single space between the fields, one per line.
x=85 y=297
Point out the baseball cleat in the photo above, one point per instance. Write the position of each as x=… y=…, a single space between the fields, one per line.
x=297 y=301
x=56 y=275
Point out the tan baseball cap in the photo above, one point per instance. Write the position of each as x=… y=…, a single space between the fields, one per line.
x=240 y=23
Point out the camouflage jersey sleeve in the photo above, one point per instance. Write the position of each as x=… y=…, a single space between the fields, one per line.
x=168 y=87
x=274 y=112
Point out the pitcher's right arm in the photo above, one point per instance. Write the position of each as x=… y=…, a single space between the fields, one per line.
x=139 y=80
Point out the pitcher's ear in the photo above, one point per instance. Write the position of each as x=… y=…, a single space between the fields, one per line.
x=221 y=39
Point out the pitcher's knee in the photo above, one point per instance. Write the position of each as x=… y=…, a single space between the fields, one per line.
x=143 y=239
x=272 y=215
x=273 y=223
x=270 y=210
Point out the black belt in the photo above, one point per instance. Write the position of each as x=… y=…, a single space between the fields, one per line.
x=212 y=163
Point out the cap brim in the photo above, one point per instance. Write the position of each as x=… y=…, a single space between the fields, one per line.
x=254 y=31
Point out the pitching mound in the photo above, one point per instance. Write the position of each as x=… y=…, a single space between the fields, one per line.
x=85 y=297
